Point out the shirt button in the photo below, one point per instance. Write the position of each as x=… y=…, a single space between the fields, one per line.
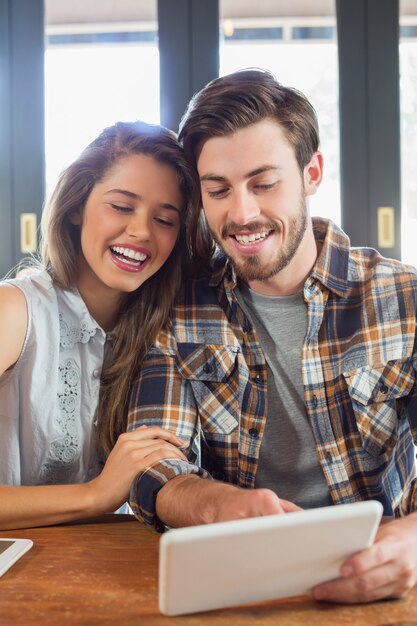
x=207 y=368
x=96 y=373
x=315 y=400
x=257 y=379
x=383 y=388
x=254 y=432
x=329 y=457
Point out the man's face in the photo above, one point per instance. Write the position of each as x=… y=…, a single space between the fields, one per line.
x=254 y=199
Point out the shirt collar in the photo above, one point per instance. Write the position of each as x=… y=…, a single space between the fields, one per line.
x=330 y=269
x=331 y=266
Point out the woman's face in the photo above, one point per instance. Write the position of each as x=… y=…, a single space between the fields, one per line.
x=129 y=225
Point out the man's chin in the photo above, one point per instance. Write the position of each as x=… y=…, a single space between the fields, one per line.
x=250 y=270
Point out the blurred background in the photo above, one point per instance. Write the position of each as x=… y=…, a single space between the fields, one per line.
x=69 y=69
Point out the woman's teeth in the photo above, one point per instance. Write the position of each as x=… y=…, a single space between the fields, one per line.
x=128 y=254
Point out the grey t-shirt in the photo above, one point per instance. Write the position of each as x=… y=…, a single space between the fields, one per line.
x=288 y=462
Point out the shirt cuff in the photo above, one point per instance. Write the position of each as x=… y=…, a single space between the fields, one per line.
x=146 y=486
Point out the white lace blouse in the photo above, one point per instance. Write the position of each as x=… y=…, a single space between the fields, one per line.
x=48 y=401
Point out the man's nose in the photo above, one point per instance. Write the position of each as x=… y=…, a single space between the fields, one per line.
x=243 y=208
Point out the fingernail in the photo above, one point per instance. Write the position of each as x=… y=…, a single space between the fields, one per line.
x=180 y=441
x=319 y=593
x=346 y=570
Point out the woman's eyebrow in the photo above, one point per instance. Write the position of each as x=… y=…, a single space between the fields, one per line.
x=135 y=196
x=125 y=192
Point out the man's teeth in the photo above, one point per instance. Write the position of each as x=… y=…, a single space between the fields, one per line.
x=252 y=237
x=128 y=253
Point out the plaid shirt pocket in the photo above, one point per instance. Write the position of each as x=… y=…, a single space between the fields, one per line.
x=211 y=370
x=375 y=393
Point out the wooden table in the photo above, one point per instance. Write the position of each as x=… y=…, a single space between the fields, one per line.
x=105 y=573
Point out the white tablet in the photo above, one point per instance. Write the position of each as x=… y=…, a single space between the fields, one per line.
x=11 y=550
x=258 y=559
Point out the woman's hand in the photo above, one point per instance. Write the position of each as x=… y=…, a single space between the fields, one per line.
x=133 y=453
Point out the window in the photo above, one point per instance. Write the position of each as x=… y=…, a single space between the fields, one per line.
x=300 y=48
x=408 y=102
x=96 y=73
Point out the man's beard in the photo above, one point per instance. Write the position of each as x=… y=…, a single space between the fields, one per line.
x=252 y=268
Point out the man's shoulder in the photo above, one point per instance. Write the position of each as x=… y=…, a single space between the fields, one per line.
x=367 y=264
x=352 y=268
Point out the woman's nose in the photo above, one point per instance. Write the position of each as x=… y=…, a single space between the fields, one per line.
x=138 y=226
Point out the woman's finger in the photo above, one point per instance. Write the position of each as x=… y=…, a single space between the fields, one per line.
x=152 y=432
x=164 y=447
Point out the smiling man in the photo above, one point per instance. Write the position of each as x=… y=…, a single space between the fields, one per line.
x=258 y=215
x=290 y=368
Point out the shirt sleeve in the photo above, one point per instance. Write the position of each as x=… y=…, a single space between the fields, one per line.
x=161 y=397
x=407 y=459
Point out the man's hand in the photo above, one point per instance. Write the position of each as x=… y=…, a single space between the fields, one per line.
x=388 y=569
x=239 y=503
x=190 y=500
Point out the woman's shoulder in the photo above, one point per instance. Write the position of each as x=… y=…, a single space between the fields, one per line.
x=22 y=297
x=13 y=324
x=38 y=289
x=12 y=299
x=31 y=278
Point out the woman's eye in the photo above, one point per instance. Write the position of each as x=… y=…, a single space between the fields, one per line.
x=121 y=208
x=164 y=221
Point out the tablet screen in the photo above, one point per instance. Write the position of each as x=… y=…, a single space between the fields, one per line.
x=5 y=544
x=11 y=550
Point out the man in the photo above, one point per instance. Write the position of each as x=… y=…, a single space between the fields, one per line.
x=293 y=367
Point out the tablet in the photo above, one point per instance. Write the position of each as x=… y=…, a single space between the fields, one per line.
x=258 y=559
x=11 y=550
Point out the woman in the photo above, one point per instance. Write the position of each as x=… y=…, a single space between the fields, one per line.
x=113 y=245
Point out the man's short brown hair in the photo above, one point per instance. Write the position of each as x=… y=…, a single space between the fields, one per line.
x=232 y=102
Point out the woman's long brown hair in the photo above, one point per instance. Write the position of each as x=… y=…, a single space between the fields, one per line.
x=145 y=311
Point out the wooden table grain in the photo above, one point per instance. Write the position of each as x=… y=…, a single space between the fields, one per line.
x=105 y=572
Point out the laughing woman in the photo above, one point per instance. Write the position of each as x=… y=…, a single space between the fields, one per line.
x=72 y=330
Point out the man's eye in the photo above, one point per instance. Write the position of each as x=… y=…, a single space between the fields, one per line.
x=265 y=186
x=217 y=193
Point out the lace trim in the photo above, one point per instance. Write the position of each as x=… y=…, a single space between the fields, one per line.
x=70 y=335
x=66 y=448
x=65 y=451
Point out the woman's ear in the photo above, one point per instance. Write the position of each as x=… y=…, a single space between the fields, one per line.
x=313 y=174
x=76 y=217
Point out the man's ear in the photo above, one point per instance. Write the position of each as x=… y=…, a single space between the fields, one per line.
x=313 y=174
x=76 y=217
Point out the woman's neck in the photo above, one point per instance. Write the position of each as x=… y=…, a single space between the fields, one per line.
x=103 y=304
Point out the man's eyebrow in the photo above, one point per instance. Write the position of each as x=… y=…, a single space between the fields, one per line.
x=135 y=196
x=255 y=172
x=262 y=169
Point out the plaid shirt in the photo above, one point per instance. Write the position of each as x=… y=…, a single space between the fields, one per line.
x=205 y=380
